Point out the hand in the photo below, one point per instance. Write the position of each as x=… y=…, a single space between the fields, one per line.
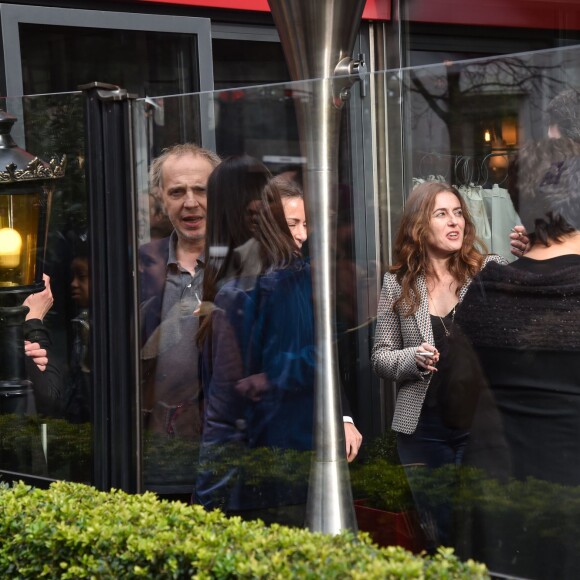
x=41 y=302
x=427 y=363
x=353 y=441
x=253 y=386
x=37 y=354
x=519 y=241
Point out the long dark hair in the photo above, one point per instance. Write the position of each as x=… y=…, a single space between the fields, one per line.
x=238 y=183
x=410 y=245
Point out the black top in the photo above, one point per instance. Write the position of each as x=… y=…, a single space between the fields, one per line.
x=523 y=321
x=549 y=266
x=438 y=382
x=529 y=304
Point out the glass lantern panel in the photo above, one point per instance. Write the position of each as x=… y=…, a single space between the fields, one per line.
x=19 y=220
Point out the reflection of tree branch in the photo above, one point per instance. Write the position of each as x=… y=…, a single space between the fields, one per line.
x=431 y=99
x=461 y=83
x=517 y=73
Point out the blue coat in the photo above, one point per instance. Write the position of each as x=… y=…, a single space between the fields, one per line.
x=258 y=375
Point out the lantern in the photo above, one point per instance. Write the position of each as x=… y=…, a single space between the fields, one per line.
x=25 y=193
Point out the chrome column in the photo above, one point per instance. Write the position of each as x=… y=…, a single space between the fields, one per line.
x=318 y=38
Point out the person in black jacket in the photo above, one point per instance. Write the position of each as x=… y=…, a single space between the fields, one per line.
x=523 y=322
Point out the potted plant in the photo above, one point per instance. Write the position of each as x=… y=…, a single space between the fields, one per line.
x=384 y=504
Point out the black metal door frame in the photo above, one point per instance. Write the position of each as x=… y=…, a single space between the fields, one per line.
x=114 y=328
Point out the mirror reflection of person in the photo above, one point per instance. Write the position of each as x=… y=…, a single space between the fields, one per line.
x=523 y=321
x=435 y=259
x=171 y=275
x=293 y=203
x=79 y=397
x=258 y=349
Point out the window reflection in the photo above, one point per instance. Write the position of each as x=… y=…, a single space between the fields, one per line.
x=258 y=361
x=492 y=129
x=78 y=397
x=171 y=274
x=49 y=439
x=60 y=58
x=171 y=457
x=509 y=385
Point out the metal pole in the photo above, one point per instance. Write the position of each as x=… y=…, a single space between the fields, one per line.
x=14 y=387
x=318 y=39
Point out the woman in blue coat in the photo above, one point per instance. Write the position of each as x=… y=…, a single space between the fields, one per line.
x=257 y=339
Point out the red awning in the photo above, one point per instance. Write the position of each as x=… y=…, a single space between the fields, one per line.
x=374 y=9
x=547 y=14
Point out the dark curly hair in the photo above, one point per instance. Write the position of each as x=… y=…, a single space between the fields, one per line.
x=560 y=189
x=564 y=112
x=549 y=187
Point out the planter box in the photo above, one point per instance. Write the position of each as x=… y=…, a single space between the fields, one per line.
x=390 y=528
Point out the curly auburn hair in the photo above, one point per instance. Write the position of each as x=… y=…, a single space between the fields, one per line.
x=410 y=252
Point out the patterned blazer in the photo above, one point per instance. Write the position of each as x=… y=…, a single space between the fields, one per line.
x=396 y=340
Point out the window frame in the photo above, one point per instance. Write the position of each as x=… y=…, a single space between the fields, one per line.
x=11 y=16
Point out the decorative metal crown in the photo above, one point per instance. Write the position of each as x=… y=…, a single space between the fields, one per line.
x=35 y=170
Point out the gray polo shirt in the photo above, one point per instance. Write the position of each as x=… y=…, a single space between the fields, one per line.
x=177 y=356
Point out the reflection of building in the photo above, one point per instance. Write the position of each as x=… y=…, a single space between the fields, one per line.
x=431 y=119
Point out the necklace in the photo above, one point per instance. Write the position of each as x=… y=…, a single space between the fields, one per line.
x=452 y=320
x=447 y=331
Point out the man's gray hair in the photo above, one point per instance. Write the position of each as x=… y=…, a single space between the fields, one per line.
x=156 y=167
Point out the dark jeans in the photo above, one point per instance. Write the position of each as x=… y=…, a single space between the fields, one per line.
x=430 y=457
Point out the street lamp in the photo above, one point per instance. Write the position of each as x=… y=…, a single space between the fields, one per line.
x=25 y=193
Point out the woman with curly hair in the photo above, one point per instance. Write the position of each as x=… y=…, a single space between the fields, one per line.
x=436 y=255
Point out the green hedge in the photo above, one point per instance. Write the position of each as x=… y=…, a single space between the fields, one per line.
x=75 y=531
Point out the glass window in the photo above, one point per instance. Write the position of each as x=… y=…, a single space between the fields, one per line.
x=481 y=451
x=267 y=425
x=53 y=438
x=485 y=426
x=246 y=63
x=60 y=58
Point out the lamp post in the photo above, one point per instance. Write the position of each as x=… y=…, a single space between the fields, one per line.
x=25 y=193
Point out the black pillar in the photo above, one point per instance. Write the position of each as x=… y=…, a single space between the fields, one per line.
x=109 y=171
